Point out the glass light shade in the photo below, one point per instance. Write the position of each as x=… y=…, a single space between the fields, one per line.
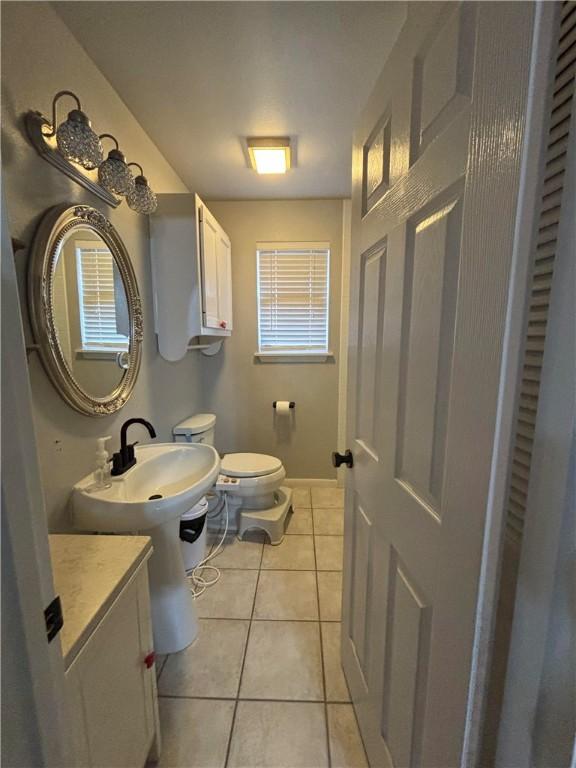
x=141 y=199
x=270 y=160
x=269 y=155
x=114 y=175
x=78 y=142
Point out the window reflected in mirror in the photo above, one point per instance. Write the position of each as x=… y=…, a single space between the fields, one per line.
x=91 y=312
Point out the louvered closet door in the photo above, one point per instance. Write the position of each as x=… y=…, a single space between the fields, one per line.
x=560 y=121
x=436 y=176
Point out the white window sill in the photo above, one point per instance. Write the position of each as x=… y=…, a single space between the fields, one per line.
x=294 y=357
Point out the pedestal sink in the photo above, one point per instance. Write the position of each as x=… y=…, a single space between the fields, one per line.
x=166 y=481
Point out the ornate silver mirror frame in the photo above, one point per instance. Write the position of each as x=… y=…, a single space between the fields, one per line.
x=53 y=229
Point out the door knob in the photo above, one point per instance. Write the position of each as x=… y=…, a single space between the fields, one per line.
x=343 y=458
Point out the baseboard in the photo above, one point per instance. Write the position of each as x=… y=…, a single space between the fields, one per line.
x=298 y=482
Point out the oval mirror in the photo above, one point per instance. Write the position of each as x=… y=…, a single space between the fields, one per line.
x=85 y=309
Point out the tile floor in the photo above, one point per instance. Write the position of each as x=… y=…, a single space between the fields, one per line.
x=262 y=685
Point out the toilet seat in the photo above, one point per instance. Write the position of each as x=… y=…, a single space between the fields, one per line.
x=249 y=465
x=257 y=477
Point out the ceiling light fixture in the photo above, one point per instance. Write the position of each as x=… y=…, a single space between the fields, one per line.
x=269 y=155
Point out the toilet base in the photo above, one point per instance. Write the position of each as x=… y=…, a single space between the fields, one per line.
x=270 y=520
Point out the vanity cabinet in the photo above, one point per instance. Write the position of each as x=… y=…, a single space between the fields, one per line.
x=110 y=677
x=192 y=274
x=111 y=685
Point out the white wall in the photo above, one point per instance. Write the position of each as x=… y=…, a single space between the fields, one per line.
x=241 y=389
x=40 y=57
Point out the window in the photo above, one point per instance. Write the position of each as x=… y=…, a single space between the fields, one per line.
x=293 y=298
x=100 y=302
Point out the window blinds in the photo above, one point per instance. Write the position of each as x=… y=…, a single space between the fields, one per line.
x=293 y=298
x=97 y=299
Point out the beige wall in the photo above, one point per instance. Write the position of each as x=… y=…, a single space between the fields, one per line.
x=240 y=389
x=39 y=58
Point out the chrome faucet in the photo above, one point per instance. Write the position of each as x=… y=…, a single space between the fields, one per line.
x=125 y=457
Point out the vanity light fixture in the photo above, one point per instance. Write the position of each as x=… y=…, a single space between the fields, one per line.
x=141 y=199
x=75 y=149
x=269 y=156
x=75 y=138
x=113 y=173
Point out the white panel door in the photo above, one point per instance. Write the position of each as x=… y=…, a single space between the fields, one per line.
x=436 y=174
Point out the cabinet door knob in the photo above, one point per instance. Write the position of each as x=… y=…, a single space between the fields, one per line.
x=343 y=458
x=149 y=660
x=222 y=323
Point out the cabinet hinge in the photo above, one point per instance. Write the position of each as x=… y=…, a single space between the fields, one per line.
x=54 y=618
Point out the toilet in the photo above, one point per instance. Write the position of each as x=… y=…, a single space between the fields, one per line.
x=257 y=500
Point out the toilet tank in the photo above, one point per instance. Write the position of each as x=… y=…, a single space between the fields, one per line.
x=196 y=429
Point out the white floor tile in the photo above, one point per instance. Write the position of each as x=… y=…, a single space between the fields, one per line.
x=195 y=732
x=287 y=595
x=294 y=553
x=329 y=552
x=323 y=497
x=211 y=666
x=299 y=521
x=283 y=647
x=283 y=662
x=232 y=597
x=336 y=686
x=346 y=748
x=278 y=734
x=329 y=522
x=236 y=553
x=330 y=594
x=301 y=497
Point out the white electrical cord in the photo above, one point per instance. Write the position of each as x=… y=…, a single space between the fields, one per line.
x=198 y=582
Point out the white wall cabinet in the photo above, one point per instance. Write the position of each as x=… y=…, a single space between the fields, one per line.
x=111 y=686
x=192 y=274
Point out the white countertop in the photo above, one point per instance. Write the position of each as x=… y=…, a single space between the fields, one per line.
x=89 y=573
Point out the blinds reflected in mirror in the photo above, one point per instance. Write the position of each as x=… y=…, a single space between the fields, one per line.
x=98 y=299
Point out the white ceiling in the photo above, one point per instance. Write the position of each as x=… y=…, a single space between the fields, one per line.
x=201 y=76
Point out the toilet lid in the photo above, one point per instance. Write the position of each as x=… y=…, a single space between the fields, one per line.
x=249 y=464
x=195 y=425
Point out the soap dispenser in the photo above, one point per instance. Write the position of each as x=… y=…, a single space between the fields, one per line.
x=102 y=472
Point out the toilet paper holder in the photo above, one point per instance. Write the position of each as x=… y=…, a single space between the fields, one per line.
x=292 y=404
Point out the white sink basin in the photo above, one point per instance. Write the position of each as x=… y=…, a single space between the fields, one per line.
x=180 y=474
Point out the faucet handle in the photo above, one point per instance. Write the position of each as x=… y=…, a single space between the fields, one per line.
x=123 y=459
x=130 y=450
